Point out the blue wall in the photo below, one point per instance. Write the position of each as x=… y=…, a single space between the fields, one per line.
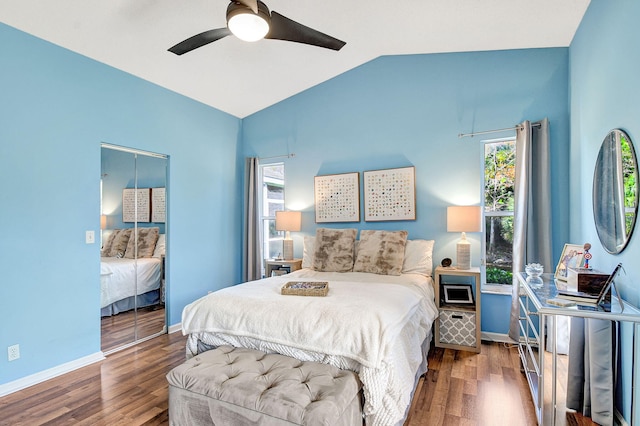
x=57 y=107
x=407 y=111
x=605 y=84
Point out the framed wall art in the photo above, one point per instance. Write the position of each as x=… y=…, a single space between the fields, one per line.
x=390 y=194
x=337 y=197
x=136 y=206
x=158 y=205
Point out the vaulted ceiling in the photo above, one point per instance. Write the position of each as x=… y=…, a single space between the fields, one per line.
x=241 y=78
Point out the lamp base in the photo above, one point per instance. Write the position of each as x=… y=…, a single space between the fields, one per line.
x=463 y=255
x=287 y=249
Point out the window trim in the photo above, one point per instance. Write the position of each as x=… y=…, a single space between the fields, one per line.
x=264 y=240
x=490 y=288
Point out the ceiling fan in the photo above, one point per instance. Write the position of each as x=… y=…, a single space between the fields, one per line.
x=250 y=20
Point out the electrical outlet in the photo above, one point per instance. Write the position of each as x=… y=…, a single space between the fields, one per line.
x=90 y=237
x=13 y=352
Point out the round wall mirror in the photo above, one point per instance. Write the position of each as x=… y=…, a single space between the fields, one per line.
x=615 y=191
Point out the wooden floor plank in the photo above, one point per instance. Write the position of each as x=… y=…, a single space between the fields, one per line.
x=130 y=388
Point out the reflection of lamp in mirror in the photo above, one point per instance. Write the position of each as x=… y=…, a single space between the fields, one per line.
x=103 y=221
x=464 y=219
x=288 y=221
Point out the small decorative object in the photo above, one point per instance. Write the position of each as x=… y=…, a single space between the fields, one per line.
x=446 y=262
x=587 y=256
x=337 y=198
x=305 y=288
x=390 y=194
x=534 y=270
x=288 y=221
x=585 y=280
x=572 y=257
x=464 y=219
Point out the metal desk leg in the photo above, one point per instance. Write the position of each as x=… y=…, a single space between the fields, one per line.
x=554 y=368
x=633 y=371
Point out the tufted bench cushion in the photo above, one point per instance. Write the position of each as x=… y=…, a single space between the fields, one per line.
x=237 y=386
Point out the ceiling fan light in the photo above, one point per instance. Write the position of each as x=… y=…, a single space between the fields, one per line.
x=248 y=27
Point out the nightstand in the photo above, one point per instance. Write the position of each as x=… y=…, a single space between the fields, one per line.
x=457 y=294
x=282 y=266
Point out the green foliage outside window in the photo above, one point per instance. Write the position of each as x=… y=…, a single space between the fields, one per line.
x=499 y=276
x=499 y=190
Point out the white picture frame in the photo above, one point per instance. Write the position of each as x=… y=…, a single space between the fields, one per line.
x=337 y=197
x=390 y=194
x=572 y=257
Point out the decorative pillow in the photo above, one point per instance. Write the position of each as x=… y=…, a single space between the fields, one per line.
x=160 y=249
x=333 y=250
x=119 y=246
x=418 y=257
x=147 y=238
x=307 y=252
x=381 y=252
x=106 y=248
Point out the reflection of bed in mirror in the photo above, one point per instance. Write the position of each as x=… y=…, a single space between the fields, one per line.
x=127 y=282
x=123 y=279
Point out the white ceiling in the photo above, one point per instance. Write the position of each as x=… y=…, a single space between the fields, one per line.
x=242 y=78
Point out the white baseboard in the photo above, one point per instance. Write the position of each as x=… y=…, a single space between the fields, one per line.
x=496 y=337
x=45 y=375
x=175 y=328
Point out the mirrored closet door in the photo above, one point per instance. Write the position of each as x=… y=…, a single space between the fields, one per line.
x=133 y=255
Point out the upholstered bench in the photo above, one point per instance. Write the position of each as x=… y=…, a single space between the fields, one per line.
x=237 y=386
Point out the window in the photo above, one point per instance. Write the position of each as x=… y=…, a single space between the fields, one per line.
x=272 y=200
x=499 y=187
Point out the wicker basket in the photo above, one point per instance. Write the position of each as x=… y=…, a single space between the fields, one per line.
x=306 y=288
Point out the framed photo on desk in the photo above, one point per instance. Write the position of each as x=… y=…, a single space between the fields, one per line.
x=572 y=257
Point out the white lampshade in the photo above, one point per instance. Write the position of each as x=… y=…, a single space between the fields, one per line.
x=288 y=221
x=464 y=219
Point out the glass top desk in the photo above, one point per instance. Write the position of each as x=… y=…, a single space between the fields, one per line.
x=534 y=311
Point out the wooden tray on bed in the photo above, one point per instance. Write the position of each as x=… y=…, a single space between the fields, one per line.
x=306 y=288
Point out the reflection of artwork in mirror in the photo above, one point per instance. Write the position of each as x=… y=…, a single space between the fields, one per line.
x=615 y=191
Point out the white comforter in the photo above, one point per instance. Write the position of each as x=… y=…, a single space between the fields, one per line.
x=118 y=278
x=373 y=324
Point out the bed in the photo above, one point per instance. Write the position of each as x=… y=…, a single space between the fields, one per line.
x=376 y=324
x=127 y=282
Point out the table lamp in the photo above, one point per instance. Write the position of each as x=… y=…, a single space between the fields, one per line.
x=288 y=221
x=464 y=219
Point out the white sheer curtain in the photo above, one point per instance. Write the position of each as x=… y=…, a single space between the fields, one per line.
x=532 y=210
x=252 y=247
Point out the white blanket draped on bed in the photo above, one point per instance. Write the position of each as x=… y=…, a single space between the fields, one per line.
x=378 y=321
x=118 y=278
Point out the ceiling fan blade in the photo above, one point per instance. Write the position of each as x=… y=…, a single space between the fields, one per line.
x=199 y=40
x=251 y=4
x=283 y=28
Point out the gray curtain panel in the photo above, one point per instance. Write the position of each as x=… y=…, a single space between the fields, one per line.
x=532 y=210
x=591 y=378
x=252 y=247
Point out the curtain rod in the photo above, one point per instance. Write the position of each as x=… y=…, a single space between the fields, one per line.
x=464 y=135
x=292 y=155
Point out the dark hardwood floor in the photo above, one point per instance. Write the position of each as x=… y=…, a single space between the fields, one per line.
x=130 y=388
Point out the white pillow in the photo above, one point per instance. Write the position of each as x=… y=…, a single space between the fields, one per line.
x=307 y=251
x=418 y=257
x=160 y=249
